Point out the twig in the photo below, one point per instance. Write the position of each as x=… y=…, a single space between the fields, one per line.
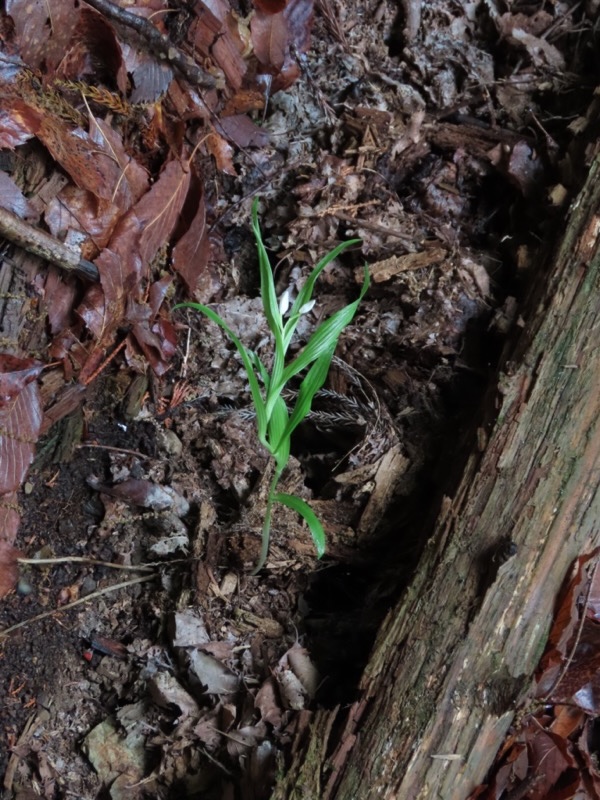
x=13 y=763
x=105 y=363
x=112 y=449
x=404 y=238
x=7 y=631
x=156 y=42
x=84 y=560
x=45 y=246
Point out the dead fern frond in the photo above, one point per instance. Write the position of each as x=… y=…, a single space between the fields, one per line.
x=97 y=94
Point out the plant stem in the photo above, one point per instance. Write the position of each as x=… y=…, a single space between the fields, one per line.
x=266 y=531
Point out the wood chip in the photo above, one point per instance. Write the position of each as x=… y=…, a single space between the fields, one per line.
x=384 y=270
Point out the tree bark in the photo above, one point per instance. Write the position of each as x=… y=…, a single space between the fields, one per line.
x=454 y=659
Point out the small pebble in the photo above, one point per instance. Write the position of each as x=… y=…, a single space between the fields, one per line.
x=88 y=585
x=24 y=587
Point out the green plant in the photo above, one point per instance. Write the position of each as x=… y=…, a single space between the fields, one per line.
x=274 y=422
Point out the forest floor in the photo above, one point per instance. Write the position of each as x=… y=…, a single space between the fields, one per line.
x=446 y=139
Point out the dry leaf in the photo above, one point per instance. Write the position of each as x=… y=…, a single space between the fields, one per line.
x=13 y=199
x=20 y=419
x=94 y=52
x=270 y=6
x=222 y=152
x=18 y=122
x=43 y=29
x=9 y=568
x=303 y=668
x=89 y=165
x=188 y=629
x=212 y=675
x=190 y=254
x=270 y=35
x=158 y=210
x=267 y=702
x=166 y=691
x=240 y=130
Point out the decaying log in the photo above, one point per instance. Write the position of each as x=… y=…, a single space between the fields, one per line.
x=455 y=657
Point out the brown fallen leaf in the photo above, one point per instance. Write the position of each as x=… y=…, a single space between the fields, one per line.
x=144 y=493
x=190 y=254
x=166 y=691
x=94 y=52
x=9 y=568
x=564 y=627
x=268 y=703
x=270 y=35
x=270 y=6
x=240 y=130
x=123 y=265
x=20 y=419
x=13 y=199
x=158 y=210
x=299 y=16
x=297 y=677
x=18 y=122
x=77 y=210
x=158 y=342
x=20 y=423
x=90 y=165
x=43 y=45
x=221 y=151
x=517 y=30
x=207 y=730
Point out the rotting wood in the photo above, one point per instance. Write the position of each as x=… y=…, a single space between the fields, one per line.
x=454 y=659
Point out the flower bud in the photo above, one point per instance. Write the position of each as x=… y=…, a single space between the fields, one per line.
x=284 y=302
x=307 y=307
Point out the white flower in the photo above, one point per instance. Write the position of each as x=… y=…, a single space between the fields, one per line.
x=284 y=302
x=307 y=307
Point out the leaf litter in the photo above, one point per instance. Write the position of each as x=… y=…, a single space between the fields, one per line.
x=434 y=144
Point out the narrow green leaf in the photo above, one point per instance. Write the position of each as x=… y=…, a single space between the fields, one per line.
x=326 y=335
x=260 y=368
x=278 y=365
x=269 y=300
x=322 y=341
x=247 y=358
x=267 y=284
x=314 y=380
x=279 y=445
x=301 y=507
x=305 y=293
